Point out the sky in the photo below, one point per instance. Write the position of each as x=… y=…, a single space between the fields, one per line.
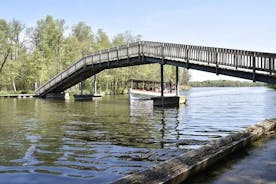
x=238 y=24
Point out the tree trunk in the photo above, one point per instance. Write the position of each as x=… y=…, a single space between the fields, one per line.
x=106 y=86
x=0 y=83
x=5 y=59
x=13 y=84
x=35 y=85
x=116 y=87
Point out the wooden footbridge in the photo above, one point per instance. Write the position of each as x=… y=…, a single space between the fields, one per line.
x=256 y=66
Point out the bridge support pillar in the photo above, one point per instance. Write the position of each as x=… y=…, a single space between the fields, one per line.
x=95 y=85
x=81 y=87
x=162 y=84
x=60 y=96
x=169 y=101
x=176 y=82
x=87 y=97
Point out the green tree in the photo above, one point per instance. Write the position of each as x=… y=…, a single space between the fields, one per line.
x=5 y=45
x=85 y=37
x=47 y=38
x=14 y=52
x=18 y=53
x=124 y=38
x=115 y=81
x=33 y=58
x=102 y=40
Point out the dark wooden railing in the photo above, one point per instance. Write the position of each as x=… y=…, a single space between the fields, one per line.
x=255 y=62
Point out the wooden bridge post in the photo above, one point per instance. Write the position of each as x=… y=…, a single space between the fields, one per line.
x=100 y=57
x=254 y=69
x=270 y=68
x=216 y=59
x=187 y=61
x=176 y=81
x=142 y=50
x=95 y=84
x=139 y=51
x=127 y=52
x=235 y=60
x=162 y=75
x=162 y=79
x=81 y=87
x=108 y=59
x=117 y=54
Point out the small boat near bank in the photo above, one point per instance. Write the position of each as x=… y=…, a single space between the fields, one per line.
x=151 y=90
x=136 y=94
x=146 y=89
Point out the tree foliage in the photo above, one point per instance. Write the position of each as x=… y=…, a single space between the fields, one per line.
x=31 y=56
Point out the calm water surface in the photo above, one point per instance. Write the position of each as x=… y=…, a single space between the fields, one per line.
x=43 y=141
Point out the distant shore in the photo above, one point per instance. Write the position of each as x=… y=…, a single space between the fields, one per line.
x=225 y=83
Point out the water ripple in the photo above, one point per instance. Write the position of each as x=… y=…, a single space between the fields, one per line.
x=73 y=142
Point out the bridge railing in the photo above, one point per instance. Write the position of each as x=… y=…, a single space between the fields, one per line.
x=217 y=57
x=239 y=59
x=115 y=53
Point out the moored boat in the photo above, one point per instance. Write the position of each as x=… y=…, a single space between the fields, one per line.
x=145 y=89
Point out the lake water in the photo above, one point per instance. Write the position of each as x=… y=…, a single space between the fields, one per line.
x=43 y=141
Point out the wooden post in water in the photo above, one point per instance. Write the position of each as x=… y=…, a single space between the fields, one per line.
x=95 y=85
x=81 y=88
x=162 y=83
x=176 y=81
x=162 y=74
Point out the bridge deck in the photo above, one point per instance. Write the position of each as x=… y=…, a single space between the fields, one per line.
x=256 y=66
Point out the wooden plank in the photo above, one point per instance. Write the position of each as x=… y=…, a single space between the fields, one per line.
x=177 y=170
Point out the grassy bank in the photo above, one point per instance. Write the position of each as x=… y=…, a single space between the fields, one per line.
x=16 y=92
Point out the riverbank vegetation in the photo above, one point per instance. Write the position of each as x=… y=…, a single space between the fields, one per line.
x=224 y=83
x=30 y=56
x=272 y=86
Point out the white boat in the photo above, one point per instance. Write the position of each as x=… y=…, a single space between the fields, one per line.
x=146 y=89
x=137 y=94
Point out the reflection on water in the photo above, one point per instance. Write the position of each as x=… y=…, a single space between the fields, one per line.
x=65 y=141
